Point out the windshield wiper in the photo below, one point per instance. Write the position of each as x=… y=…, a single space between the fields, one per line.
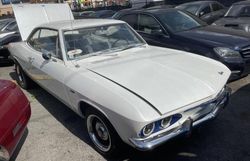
x=109 y=51
x=132 y=46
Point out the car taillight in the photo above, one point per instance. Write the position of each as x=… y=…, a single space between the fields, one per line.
x=4 y=154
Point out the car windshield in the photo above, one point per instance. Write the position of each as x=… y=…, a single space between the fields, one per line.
x=86 y=42
x=192 y=8
x=178 y=21
x=238 y=11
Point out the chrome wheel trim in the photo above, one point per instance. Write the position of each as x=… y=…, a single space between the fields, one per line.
x=98 y=133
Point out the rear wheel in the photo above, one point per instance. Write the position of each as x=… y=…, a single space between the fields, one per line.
x=102 y=134
x=22 y=79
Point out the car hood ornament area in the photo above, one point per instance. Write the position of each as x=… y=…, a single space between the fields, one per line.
x=221 y=73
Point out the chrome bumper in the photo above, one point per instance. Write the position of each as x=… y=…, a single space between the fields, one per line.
x=186 y=127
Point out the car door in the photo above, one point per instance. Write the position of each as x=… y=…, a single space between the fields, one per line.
x=47 y=73
x=131 y=19
x=205 y=13
x=152 y=31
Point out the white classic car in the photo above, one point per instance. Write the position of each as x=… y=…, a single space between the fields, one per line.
x=125 y=89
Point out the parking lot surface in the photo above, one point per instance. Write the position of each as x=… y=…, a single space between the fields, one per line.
x=55 y=133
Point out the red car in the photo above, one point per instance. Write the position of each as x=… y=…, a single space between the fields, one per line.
x=14 y=115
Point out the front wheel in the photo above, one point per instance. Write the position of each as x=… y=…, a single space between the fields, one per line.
x=102 y=134
x=22 y=79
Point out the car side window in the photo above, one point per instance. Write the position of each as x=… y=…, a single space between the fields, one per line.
x=131 y=19
x=245 y=12
x=149 y=25
x=33 y=40
x=46 y=40
x=204 y=11
x=216 y=6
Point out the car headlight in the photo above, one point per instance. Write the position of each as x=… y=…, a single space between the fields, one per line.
x=226 y=52
x=166 y=122
x=148 y=129
x=159 y=125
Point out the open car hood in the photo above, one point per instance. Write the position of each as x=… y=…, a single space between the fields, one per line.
x=29 y=16
x=168 y=79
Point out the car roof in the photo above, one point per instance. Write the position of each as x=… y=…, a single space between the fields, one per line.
x=75 y=24
x=198 y=3
x=161 y=6
x=148 y=10
x=242 y=3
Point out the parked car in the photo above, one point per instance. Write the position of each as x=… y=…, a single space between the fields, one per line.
x=161 y=7
x=14 y=115
x=154 y=4
x=5 y=22
x=125 y=89
x=84 y=14
x=95 y=14
x=102 y=14
x=208 y=11
x=173 y=28
x=8 y=33
x=237 y=17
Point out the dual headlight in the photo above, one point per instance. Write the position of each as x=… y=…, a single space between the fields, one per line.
x=159 y=125
x=226 y=52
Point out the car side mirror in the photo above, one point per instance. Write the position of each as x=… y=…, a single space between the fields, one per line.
x=158 y=32
x=201 y=13
x=46 y=54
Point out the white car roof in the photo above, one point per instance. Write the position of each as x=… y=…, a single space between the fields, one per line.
x=75 y=24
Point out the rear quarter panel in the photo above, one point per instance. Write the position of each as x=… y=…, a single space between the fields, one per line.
x=14 y=114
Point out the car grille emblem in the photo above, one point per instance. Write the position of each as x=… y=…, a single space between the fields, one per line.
x=221 y=73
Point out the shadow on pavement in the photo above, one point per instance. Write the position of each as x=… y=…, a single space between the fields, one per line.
x=62 y=113
x=19 y=145
x=5 y=63
x=227 y=138
x=68 y=118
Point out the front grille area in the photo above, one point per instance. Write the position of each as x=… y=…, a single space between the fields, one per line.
x=245 y=51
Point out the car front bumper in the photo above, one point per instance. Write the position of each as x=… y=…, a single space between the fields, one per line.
x=184 y=127
x=239 y=69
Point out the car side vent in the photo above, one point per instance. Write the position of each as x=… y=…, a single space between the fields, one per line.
x=245 y=51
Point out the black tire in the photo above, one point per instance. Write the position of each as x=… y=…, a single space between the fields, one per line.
x=111 y=150
x=22 y=79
